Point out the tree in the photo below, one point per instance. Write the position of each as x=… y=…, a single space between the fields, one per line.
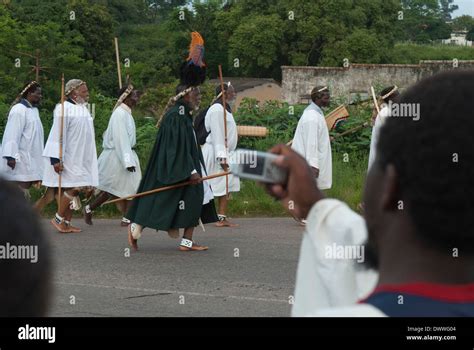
x=465 y=22
x=447 y=8
x=161 y=9
x=96 y=26
x=34 y=12
x=254 y=46
x=319 y=34
x=128 y=11
x=470 y=35
x=14 y=69
x=425 y=20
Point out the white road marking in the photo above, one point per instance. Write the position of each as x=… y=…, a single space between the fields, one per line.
x=147 y=290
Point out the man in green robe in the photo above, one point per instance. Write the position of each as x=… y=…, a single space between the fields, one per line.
x=176 y=157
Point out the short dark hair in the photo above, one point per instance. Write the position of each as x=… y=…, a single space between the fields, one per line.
x=434 y=159
x=180 y=88
x=121 y=91
x=318 y=92
x=32 y=88
x=392 y=96
x=219 y=89
x=26 y=285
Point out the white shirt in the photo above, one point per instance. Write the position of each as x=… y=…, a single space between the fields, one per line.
x=324 y=279
x=79 y=151
x=23 y=140
x=312 y=141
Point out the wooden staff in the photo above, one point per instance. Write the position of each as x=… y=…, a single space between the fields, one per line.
x=61 y=134
x=350 y=131
x=375 y=99
x=117 y=56
x=225 y=128
x=161 y=189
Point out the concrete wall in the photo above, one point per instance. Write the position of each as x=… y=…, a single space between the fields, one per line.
x=297 y=82
x=264 y=92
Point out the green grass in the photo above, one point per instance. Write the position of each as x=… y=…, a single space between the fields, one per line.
x=414 y=53
x=348 y=178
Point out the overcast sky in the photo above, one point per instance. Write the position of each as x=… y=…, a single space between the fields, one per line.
x=466 y=7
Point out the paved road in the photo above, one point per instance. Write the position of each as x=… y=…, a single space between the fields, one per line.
x=248 y=271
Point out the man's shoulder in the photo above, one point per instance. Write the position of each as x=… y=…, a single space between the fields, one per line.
x=310 y=116
x=18 y=108
x=175 y=114
x=216 y=106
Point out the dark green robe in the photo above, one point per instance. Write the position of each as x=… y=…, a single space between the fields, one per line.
x=174 y=156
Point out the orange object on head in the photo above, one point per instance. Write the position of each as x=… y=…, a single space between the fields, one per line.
x=196 y=49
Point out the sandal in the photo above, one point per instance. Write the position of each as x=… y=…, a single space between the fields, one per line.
x=188 y=245
x=223 y=222
x=125 y=222
x=61 y=226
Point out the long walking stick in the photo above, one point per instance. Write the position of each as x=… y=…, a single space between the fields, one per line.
x=61 y=134
x=350 y=131
x=225 y=128
x=117 y=57
x=375 y=99
x=161 y=189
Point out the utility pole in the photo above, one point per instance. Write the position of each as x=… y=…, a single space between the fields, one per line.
x=37 y=68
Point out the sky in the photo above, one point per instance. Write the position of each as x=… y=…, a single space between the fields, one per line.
x=466 y=7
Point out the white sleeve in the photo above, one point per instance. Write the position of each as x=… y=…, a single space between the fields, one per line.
x=311 y=143
x=122 y=145
x=325 y=279
x=324 y=143
x=51 y=149
x=13 y=132
x=215 y=116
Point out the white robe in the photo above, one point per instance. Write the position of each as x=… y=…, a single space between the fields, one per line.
x=215 y=148
x=312 y=141
x=118 y=155
x=323 y=281
x=23 y=140
x=79 y=151
x=379 y=122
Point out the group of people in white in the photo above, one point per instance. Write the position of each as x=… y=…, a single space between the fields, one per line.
x=69 y=156
x=68 y=160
